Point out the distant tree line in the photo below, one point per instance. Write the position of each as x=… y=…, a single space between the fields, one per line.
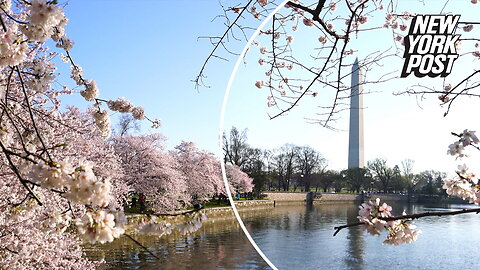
x=303 y=168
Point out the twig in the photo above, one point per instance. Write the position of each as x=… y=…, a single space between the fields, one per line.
x=200 y=75
x=17 y=173
x=31 y=113
x=142 y=246
x=460 y=83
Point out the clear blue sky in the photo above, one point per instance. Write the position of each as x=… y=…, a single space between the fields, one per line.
x=148 y=52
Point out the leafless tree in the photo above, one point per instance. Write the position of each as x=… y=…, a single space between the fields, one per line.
x=309 y=161
x=126 y=124
x=235 y=147
x=285 y=165
x=381 y=172
x=407 y=174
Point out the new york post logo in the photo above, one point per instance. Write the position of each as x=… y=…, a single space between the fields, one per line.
x=430 y=46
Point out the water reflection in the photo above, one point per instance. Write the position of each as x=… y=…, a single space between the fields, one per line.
x=217 y=245
x=354 y=254
x=301 y=237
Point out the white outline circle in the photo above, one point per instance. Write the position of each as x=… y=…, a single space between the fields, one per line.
x=222 y=118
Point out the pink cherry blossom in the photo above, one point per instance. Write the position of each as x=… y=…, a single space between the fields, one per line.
x=322 y=39
x=263 y=2
x=259 y=84
x=307 y=22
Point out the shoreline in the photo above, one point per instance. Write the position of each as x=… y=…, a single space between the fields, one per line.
x=218 y=214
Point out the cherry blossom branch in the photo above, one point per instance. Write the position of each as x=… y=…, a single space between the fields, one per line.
x=9 y=250
x=31 y=114
x=342 y=53
x=9 y=81
x=315 y=13
x=458 y=94
x=5 y=110
x=4 y=27
x=308 y=87
x=21 y=202
x=200 y=75
x=17 y=173
x=10 y=17
x=51 y=189
x=411 y=217
x=25 y=2
x=316 y=17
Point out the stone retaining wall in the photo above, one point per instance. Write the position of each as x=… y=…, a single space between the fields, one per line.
x=287 y=196
x=389 y=197
x=331 y=197
x=216 y=213
x=253 y=204
x=338 y=197
x=226 y=213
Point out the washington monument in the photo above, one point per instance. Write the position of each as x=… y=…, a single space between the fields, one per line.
x=355 y=141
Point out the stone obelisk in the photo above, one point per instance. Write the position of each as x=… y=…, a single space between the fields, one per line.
x=355 y=142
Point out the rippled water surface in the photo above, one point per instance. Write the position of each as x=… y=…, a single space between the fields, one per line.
x=300 y=237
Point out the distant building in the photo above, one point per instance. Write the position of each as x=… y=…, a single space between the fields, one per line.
x=355 y=141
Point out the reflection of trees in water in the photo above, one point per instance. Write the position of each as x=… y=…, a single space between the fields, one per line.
x=355 y=251
x=216 y=245
x=309 y=220
x=221 y=243
x=354 y=258
x=306 y=222
x=296 y=217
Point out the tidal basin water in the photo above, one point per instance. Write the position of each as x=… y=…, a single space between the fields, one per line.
x=300 y=237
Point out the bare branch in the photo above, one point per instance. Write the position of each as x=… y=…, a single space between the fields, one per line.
x=200 y=75
x=142 y=246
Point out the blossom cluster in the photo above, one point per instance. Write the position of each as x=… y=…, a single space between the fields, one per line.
x=465 y=184
x=58 y=222
x=77 y=183
x=12 y=52
x=192 y=223
x=91 y=91
x=153 y=227
x=44 y=72
x=44 y=20
x=124 y=106
x=102 y=120
x=239 y=181
x=99 y=226
x=372 y=214
x=158 y=226
x=467 y=137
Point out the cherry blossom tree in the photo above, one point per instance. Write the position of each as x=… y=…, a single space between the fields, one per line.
x=150 y=170
x=61 y=182
x=240 y=182
x=201 y=171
